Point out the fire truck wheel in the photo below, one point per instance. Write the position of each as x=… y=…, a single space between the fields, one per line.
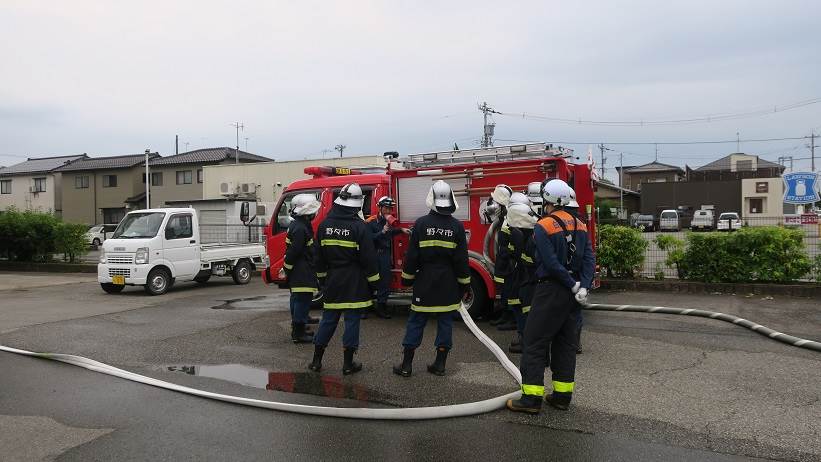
x=476 y=301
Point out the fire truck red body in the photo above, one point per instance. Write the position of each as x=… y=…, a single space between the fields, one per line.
x=473 y=174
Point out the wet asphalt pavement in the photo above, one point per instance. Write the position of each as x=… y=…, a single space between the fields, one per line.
x=651 y=387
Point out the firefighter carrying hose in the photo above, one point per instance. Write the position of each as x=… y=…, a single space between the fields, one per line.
x=521 y=220
x=436 y=265
x=346 y=260
x=500 y=197
x=299 y=264
x=509 y=247
x=565 y=266
x=382 y=231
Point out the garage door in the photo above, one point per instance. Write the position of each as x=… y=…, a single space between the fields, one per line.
x=212 y=226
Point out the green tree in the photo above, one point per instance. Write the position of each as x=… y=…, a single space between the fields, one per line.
x=620 y=250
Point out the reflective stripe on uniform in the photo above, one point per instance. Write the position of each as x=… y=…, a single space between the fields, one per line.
x=345 y=305
x=499 y=279
x=510 y=247
x=525 y=309
x=437 y=243
x=373 y=278
x=514 y=301
x=505 y=230
x=287 y=266
x=321 y=275
x=526 y=259
x=563 y=387
x=304 y=289
x=408 y=276
x=310 y=242
x=463 y=280
x=435 y=309
x=533 y=390
x=340 y=243
x=287 y=240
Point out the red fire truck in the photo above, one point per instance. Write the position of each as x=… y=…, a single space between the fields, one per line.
x=473 y=174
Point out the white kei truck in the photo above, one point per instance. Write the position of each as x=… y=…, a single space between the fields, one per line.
x=154 y=248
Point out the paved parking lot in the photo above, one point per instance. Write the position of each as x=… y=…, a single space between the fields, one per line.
x=649 y=386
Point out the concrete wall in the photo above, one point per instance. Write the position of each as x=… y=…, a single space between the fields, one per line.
x=170 y=190
x=84 y=205
x=773 y=205
x=724 y=195
x=22 y=199
x=267 y=175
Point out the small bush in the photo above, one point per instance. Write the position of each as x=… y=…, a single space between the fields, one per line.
x=675 y=251
x=36 y=236
x=620 y=250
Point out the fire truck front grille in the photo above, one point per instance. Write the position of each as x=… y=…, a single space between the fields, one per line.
x=120 y=259
x=119 y=272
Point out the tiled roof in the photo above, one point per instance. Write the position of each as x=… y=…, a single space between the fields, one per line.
x=725 y=163
x=102 y=163
x=206 y=156
x=653 y=167
x=40 y=165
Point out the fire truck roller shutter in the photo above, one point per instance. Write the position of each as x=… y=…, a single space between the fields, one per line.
x=411 y=193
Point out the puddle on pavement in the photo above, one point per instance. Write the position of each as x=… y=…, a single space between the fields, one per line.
x=260 y=302
x=309 y=383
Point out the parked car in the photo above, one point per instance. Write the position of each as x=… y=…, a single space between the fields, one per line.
x=669 y=220
x=645 y=222
x=728 y=221
x=97 y=234
x=702 y=219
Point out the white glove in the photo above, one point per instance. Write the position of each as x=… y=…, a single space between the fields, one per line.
x=575 y=288
x=581 y=296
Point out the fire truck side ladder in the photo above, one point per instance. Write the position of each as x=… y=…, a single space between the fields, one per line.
x=485 y=155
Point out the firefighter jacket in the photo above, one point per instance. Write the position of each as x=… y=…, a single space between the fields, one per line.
x=507 y=239
x=381 y=238
x=346 y=260
x=526 y=270
x=299 y=256
x=436 y=264
x=564 y=254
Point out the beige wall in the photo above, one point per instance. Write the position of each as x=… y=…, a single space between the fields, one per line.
x=83 y=205
x=633 y=181
x=22 y=199
x=170 y=190
x=773 y=205
x=266 y=175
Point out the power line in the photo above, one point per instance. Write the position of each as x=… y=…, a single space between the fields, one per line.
x=761 y=140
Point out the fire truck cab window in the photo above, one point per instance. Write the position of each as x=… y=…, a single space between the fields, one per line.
x=283 y=217
x=367 y=193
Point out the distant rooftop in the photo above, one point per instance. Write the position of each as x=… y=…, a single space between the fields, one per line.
x=725 y=163
x=208 y=155
x=40 y=165
x=653 y=167
x=103 y=163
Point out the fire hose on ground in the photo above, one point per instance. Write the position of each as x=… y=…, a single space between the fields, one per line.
x=418 y=413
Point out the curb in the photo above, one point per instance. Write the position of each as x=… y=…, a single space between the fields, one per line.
x=48 y=267
x=808 y=290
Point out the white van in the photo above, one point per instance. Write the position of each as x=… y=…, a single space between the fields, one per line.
x=702 y=219
x=669 y=220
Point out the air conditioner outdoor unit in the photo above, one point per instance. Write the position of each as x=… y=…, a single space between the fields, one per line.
x=248 y=188
x=227 y=188
x=262 y=211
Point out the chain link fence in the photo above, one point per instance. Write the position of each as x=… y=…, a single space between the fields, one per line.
x=232 y=234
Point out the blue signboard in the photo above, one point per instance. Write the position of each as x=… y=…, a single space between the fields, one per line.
x=800 y=188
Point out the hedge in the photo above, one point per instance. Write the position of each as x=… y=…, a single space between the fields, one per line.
x=620 y=250
x=36 y=236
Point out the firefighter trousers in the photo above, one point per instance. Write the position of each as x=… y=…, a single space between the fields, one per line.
x=300 y=306
x=551 y=328
x=327 y=327
x=383 y=286
x=416 y=327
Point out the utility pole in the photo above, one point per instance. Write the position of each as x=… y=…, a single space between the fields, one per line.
x=621 y=189
x=656 y=159
x=238 y=126
x=812 y=149
x=340 y=148
x=737 y=142
x=603 y=160
x=325 y=151
x=488 y=129
x=176 y=144
x=186 y=146
x=147 y=181
x=246 y=144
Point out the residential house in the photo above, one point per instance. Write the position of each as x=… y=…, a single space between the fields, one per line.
x=655 y=172
x=35 y=184
x=616 y=195
x=100 y=190
x=180 y=177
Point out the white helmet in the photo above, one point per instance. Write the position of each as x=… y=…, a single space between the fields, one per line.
x=441 y=198
x=556 y=192
x=350 y=196
x=534 y=192
x=518 y=198
x=501 y=195
x=304 y=205
x=520 y=216
x=572 y=198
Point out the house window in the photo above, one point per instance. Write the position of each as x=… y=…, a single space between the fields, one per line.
x=5 y=186
x=184 y=177
x=81 y=181
x=762 y=187
x=113 y=216
x=39 y=185
x=756 y=205
x=156 y=178
x=744 y=166
x=110 y=181
x=199 y=176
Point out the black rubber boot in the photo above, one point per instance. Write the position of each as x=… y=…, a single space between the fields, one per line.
x=527 y=403
x=515 y=345
x=313 y=320
x=316 y=364
x=438 y=366
x=406 y=368
x=501 y=319
x=350 y=366
x=560 y=402
x=299 y=335
x=509 y=322
x=382 y=311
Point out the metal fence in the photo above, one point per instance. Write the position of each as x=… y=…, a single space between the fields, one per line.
x=654 y=258
x=232 y=234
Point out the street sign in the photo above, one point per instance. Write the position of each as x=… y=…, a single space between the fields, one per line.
x=800 y=188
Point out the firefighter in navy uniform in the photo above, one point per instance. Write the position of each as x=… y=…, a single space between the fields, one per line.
x=383 y=233
x=521 y=220
x=565 y=267
x=346 y=260
x=436 y=265
x=503 y=264
x=299 y=264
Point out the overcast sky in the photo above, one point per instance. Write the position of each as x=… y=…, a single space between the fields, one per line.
x=116 y=77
